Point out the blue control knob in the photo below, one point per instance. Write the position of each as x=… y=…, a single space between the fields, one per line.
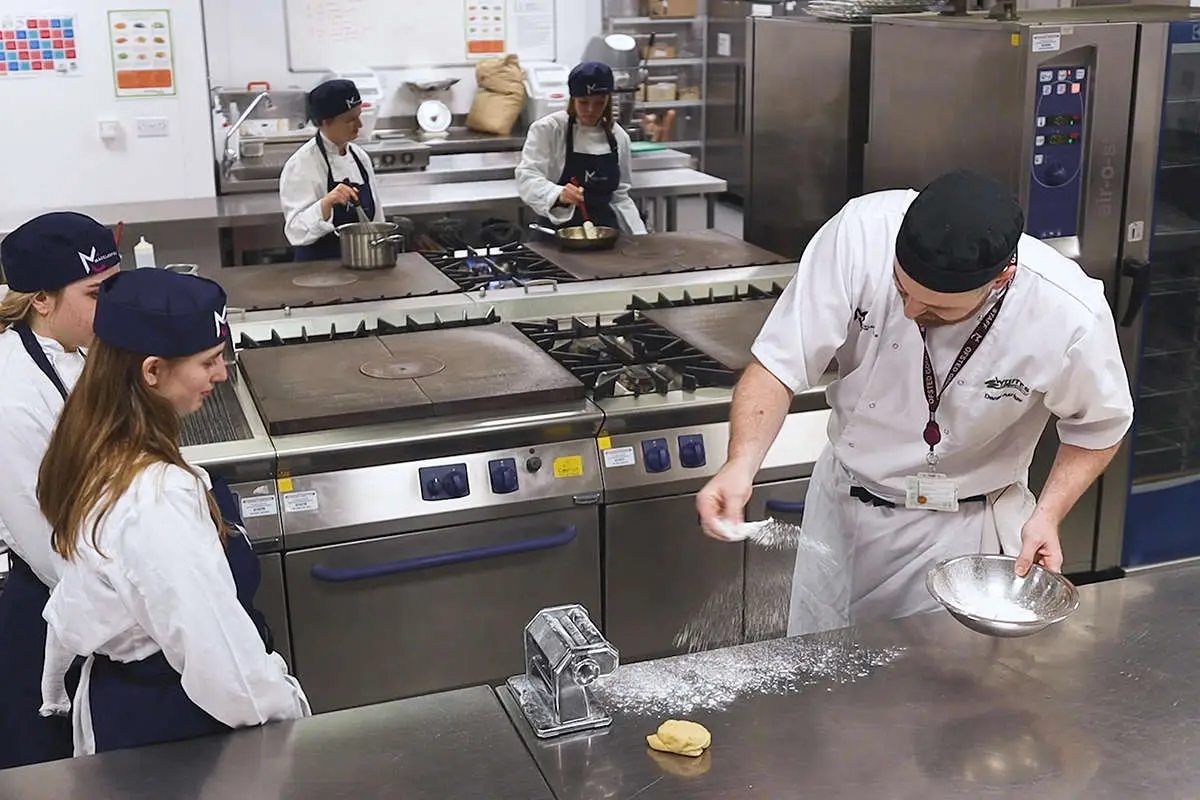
x=456 y=484
x=433 y=486
x=691 y=451
x=656 y=455
x=503 y=474
x=1055 y=174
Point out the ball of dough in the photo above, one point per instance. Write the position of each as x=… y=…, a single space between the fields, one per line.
x=680 y=736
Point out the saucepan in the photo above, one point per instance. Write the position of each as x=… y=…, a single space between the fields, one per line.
x=574 y=238
x=369 y=245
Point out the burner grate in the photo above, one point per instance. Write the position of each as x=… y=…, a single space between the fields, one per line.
x=381 y=327
x=629 y=355
x=738 y=294
x=500 y=267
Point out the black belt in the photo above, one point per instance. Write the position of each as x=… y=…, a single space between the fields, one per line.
x=861 y=494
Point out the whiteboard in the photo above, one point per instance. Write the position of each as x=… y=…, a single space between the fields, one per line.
x=395 y=34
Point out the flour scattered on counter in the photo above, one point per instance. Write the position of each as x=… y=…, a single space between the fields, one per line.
x=1001 y=609
x=713 y=680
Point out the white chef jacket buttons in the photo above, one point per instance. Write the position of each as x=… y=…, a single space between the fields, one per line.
x=895 y=345
x=872 y=405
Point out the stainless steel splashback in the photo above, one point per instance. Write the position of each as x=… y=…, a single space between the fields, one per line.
x=808 y=90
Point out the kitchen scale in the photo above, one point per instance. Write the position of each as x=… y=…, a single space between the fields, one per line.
x=433 y=116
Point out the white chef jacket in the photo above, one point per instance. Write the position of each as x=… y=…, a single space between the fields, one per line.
x=1052 y=350
x=29 y=409
x=545 y=155
x=163 y=583
x=305 y=180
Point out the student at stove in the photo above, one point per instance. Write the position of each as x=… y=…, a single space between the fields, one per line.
x=327 y=176
x=580 y=158
x=157 y=587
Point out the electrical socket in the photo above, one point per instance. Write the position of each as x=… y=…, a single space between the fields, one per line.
x=152 y=126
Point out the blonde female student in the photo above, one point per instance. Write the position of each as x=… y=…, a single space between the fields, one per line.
x=157 y=586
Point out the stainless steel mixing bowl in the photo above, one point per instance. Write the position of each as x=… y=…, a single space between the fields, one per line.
x=984 y=593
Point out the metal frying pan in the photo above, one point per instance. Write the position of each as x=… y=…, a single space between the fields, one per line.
x=574 y=238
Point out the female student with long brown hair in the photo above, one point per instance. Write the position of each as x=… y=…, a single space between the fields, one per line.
x=54 y=265
x=153 y=589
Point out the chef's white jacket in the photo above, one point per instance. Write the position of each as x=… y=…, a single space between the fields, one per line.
x=163 y=583
x=305 y=180
x=29 y=410
x=545 y=155
x=1052 y=350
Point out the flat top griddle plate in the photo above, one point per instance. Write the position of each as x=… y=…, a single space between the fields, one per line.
x=395 y=368
x=722 y=331
x=318 y=283
x=657 y=254
x=301 y=388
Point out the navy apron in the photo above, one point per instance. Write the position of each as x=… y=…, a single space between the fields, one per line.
x=328 y=247
x=143 y=702
x=599 y=175
x=25 y=736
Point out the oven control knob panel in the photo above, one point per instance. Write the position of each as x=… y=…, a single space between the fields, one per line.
x=691 y=451
x=503 y=475
x=444 y=483
x=533 y=464
x=656 y=455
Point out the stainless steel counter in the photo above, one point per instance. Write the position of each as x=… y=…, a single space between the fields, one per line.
x=450 y=181
x=1104 y=706
x=453 y=745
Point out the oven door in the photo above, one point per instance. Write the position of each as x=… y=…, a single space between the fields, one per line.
x=668 y=588
x=423 y=612
x=769 y=571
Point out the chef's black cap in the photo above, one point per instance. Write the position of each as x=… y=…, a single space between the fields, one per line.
x=331 y=98
x=959 y=233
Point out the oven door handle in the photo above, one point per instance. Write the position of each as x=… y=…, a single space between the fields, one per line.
x=786 y=506
x=332 y=575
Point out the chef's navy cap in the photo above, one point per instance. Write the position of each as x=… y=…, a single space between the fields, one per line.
x=589 y=78
x=161 y=313
x=54 y=250
x=960 y=233
x=331 y=98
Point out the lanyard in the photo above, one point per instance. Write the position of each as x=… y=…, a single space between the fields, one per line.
x=30 y=343
x=933 y=397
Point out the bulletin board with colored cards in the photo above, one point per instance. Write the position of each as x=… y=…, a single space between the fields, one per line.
x=38 y=46
x=143 y=57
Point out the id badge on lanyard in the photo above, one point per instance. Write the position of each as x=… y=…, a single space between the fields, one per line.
x=931 y=490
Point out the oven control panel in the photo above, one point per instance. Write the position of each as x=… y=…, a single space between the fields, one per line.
x=1059 y=137
x=444 y=483
x=502 y=473
x=639 y=462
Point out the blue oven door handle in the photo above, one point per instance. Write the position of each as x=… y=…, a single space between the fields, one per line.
x=332 y=575
x=786 y=506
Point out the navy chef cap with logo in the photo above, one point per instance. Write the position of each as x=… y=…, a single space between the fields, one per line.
x=960 y=233
x=54 y=250
x=160 y=313
x=332 y=98
x=590 y=78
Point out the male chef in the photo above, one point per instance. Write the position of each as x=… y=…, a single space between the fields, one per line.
x=956 y=337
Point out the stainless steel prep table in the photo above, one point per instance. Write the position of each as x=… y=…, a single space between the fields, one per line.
x=453 y=745
x=1104 y=706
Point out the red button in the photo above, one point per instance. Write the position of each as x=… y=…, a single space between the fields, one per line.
x=70 y=54
x=37 y=65
x=32 y=23
x=10 y=45
x=24 y=55
x=44 y=33
x=48 y=65
x=22 y=45
x=10 y=34
x=3 y=67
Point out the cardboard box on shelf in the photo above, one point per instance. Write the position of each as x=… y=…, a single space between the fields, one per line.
x=689 y=92
x=660 y=51
x=661 y=91
x=673 y=8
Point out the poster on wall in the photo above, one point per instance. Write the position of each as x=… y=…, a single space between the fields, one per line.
x=38 y=46
x=533 y=29
x=142 y=58
x=486 y=28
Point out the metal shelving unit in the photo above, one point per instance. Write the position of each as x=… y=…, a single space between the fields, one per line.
x=686 y=39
